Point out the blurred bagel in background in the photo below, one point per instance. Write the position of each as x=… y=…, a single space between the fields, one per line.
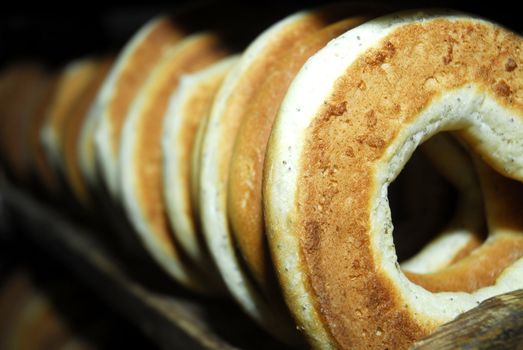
x=23 y=88
x=188 y=108
x=72 y=85
x=73 y=126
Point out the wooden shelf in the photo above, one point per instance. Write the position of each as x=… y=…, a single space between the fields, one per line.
x=170 y=316
x=176 y=319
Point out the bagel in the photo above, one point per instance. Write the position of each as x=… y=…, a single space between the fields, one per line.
x=73 y=84
x=69 y=135
x=134 y=64
x=40 y=169
x=238 y=88
x=107 y=115
x=196 y=161
x=24 y=85
x=244 y=206
x=350 y=120
x=142 y=186
x=188 y=107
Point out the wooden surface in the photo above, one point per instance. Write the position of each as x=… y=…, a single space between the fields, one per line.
x=497 y=323
x=175 y=319
x=170 y=316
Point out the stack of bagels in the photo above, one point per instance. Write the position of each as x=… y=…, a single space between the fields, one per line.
x=263 y=174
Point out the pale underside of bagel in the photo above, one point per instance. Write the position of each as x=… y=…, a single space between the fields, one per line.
x=196 y=161
x=238 y=88
x=112 y=104
x=72 y=85
x=464 y=232
x=244 y=206
x=142 y=185
x=339 y=141
x=72 y=128
x=188 y=107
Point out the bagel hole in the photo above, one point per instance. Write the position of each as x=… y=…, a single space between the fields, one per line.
x=422 y=203
x=498 y=215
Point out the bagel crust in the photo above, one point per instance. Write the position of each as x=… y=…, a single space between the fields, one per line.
x=246 y=169
x=127 y=77
x=70 y=133
x=238 y=88
x=339 y=141
x=72 y=85
x=142 y=183
x=189 y=105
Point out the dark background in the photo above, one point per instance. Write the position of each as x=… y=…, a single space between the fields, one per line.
x=60 y=34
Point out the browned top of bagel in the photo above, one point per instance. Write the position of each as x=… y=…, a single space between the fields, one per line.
x=379 y=93
x=135 y=70
x=189 y=107
x=371 y=137
x=231 y=101
x=73 y=83
x=149 y=132
x=245 y=182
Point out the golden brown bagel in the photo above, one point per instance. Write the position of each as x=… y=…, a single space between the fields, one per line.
x=239 y=87
x=24 y=86
x=70 y=133
x=74 y=82
x=244 y=205
x=141 y=158
x=128 y=75
x=339 y=141
x=41 y=168
x=188 y=108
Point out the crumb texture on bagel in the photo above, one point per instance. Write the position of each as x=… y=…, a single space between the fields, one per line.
x=387 y=86
x=188 y=107
x=128 y=75
x=246 y=169
x=239 y=87
x=141 y=157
